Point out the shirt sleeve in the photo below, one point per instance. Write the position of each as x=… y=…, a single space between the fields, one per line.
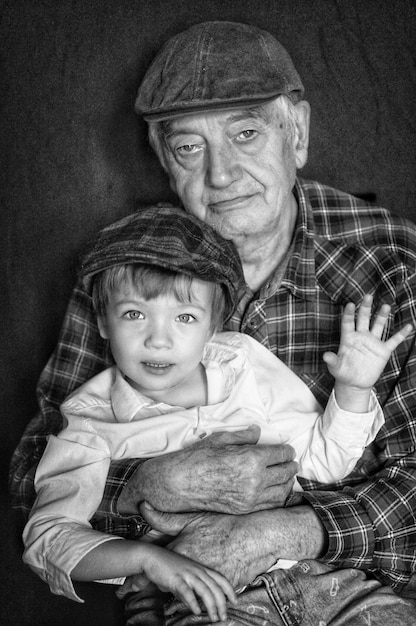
x=79 y=355
x=327 y=443
x=370 y=518
x=329 y=450
x=69 y=482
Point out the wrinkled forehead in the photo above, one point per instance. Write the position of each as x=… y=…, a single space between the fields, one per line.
x=191 y=122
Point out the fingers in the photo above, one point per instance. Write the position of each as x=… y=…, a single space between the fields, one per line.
x=225 y=585
x=168 y=523
x=380 y=320
x=277 y=481
x=211 y=588
x=249 y=435
x=330 y=358
x=396 y=339
x=138 y=582
x=348 y=320
x=281 y=473
x=362 y=323
x=364 y=314
x=275 y=495
x=278 y=455
x=187 y=595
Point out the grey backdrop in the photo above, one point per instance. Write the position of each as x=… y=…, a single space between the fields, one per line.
x=74 y=158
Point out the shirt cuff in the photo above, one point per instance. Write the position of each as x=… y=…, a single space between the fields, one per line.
x=353 y=429
x=350 y=533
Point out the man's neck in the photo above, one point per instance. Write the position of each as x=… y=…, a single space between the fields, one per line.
x=263 y=255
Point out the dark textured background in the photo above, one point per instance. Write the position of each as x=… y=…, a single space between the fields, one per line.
x=74 y=157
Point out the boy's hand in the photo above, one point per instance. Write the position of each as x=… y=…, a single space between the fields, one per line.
x=188 y=581
x=362 y=355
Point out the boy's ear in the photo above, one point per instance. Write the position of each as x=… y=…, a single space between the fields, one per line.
x=102 y=326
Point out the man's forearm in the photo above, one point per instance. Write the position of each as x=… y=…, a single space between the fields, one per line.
x=295 y=533
x=243 y=546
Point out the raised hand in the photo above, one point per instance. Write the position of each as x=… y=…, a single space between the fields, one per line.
x=362 y=354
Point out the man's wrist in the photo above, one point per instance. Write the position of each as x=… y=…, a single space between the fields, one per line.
x=296 y=532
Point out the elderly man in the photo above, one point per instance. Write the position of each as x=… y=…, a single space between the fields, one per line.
x=229 y=124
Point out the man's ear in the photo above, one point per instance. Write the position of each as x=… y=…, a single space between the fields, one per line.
x=302 y=133
x=102 y=326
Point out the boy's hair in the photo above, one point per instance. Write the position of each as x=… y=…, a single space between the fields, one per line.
x=151 y=282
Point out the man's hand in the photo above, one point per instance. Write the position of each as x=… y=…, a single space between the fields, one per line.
x=241 y=547
x=226 y=472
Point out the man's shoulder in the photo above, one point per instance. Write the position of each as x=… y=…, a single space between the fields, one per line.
x=344 y=218
x=357 y=247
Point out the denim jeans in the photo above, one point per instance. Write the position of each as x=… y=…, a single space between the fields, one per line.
x=309 y=594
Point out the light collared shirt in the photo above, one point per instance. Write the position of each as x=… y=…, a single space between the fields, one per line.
x=108 y=419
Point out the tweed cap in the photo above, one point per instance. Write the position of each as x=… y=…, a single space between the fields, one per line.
x=168 y=237
x=216 y=65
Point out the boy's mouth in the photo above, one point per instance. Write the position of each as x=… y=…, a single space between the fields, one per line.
x=154 y=367
x=157 y=365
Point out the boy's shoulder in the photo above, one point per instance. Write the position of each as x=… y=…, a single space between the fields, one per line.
x=234 y=348
x=96 y=390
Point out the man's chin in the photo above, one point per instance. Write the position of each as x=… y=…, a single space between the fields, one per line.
x=232 y=226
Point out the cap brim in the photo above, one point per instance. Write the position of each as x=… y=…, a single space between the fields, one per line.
x=159 y=115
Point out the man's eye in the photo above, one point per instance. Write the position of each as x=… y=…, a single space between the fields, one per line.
x=246 y=135
x=186 y=318
x=189 y=148
x=134 y=315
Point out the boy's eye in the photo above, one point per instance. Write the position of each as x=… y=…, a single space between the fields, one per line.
x=134 y=315
x=186 y=318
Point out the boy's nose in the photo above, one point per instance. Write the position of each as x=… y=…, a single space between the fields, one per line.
x=158 y=337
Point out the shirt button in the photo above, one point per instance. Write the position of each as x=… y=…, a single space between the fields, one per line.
x=253 y=325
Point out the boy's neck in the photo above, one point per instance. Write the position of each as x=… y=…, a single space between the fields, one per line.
x=191 y=392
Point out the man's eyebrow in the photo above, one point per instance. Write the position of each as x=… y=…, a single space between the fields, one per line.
x=167 y=129
x=255 y=113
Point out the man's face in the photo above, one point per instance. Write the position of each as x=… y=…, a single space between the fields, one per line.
x=235 y=169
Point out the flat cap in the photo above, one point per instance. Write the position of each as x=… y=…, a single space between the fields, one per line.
x=168 y=237
x=216 y=65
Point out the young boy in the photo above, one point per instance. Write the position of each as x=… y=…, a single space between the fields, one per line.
x=162 y=284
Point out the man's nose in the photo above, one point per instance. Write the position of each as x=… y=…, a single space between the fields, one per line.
x=158 y=336
x=222 y=166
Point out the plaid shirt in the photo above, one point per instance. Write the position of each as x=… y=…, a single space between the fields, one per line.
x=342 y=249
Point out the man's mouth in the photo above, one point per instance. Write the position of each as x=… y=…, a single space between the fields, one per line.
x=225 y=204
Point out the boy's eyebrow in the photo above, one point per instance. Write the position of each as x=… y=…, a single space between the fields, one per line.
x=139 y=301
x=124 y=301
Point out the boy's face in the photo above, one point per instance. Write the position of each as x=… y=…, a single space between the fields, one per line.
x=158 y=343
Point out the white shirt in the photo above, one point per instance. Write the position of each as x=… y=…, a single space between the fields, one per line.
x=107 y=420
